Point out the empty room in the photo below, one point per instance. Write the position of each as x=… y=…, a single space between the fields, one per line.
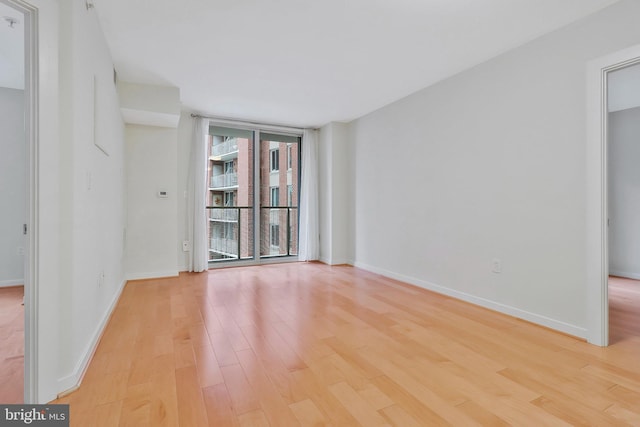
x=296 y=213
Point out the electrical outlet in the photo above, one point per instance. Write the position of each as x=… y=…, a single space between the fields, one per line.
x=496 y=265
x=20 y=251
x=185 y=246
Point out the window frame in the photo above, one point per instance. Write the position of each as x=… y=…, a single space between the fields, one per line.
x=281 y=178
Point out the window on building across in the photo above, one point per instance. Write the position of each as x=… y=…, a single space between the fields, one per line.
x=274 y=162
x=275 y=196
x=229 y=198
x=275 y=235
x=228 y=167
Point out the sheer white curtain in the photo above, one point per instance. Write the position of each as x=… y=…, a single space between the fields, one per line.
x=309 y=244
x=197 y=191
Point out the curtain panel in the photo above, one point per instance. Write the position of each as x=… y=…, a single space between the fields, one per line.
x=309 y=244
x=196 y=198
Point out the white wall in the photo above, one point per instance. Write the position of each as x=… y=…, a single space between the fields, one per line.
x=91 y=195
x=151 y=221
x=48 y=269
x=623 y=89
x=80 y=193
x=335 y=192
x=489 y=164
x=149 y=105
x=185 y=132
x=12 y=186
x=624 y=193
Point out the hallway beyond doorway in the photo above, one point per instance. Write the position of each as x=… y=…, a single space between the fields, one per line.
x=624 y=309
x=12 y=348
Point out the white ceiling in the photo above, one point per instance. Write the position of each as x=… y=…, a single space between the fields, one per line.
x=11 y=49
x=309 y=62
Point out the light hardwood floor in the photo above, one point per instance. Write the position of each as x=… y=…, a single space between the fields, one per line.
x=307 y=344
x=11 y=345
x=624 y=309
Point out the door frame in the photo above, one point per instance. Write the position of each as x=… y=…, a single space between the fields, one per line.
x=31 y=70
x=597 y=233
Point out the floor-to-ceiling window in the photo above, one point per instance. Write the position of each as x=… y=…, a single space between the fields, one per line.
x=245 y=224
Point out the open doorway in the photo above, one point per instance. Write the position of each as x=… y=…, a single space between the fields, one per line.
x=13 y=204
x=597 y=180
x=19 y=20
x=623 y=190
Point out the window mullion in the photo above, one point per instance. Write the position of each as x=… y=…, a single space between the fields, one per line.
x=257 y=211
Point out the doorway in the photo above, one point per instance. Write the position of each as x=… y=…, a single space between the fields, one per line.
x=13 y=204
x=597 y=214
x=20 y=74
x=623 y=179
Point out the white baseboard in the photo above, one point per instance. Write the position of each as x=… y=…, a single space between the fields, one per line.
x=625 y=274
x=557 y=325
x=13 y=282
x=72 y=381
x=156 y=275
x=335 y=261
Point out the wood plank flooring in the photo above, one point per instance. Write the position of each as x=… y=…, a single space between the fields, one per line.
x=306 y=344
x=624 y=309
x=11 y=345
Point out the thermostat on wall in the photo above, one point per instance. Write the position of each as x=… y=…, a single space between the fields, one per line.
x=163 y=194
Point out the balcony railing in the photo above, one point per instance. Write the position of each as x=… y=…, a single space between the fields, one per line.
x=224 y=246
x=228 y=214
x=274 y=215
x=286 y=218
x=225 y=180
x=231 y=232
x=226 y=147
